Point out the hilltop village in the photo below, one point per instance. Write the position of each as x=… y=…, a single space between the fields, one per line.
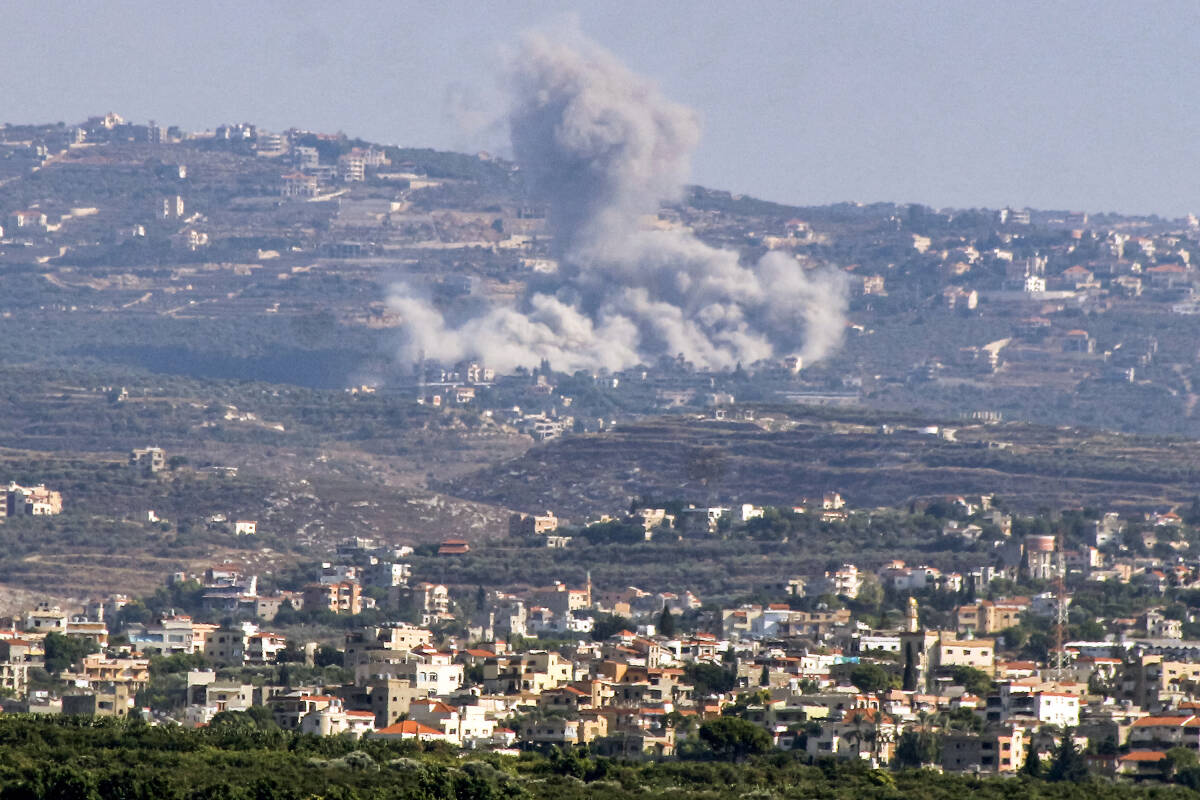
x=1041 y=316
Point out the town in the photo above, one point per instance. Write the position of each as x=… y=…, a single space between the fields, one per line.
x=1077 y=625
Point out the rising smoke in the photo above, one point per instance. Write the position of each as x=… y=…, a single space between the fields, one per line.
x=601 y=147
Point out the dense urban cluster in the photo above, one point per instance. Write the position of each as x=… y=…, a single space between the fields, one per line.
x=984 y=669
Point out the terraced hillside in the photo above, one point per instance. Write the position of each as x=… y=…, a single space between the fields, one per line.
x=780 y=460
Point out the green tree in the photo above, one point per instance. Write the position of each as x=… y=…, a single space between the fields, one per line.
x=666 y=622
x=710 y=679
x=1189 y=777
x=63 y=651
x=915 y=748
x=608 y=625
x=975 y=681
x=733 y=739
x=1179 y=759
x=327 y=656
x=964 y=719
x=871 y=678
x=870 y=594
x=292 y=653
x=908 y=681
x=1068 y=764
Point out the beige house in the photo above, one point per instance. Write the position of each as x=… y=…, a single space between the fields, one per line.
x=977 y=653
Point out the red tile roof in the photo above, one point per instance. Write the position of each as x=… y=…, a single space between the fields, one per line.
x=411 y=728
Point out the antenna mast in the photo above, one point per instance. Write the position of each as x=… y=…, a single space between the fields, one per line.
x=1060 y=612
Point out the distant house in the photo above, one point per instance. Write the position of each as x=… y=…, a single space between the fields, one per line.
x=454 y=547
x=1077 y=277
x=35 y=501
x=532 y=524
x=1033 y=327
x=1128 y=285
x=148 y=459
x=344 y=597
x=977 y=653
x=297 y=184
x=873 y=285
x=1167 y=276
x=956 y=297
x=27 y=220
x=1001 y=751
x=1150 y=763
x=411 y=729
x=1078 y=341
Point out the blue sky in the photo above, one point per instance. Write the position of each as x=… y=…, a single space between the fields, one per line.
x=1085 y=106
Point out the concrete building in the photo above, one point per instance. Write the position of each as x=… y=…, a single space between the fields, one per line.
x=1000 y=752
x=340 y=598
x=33 y=501
x=148 y=459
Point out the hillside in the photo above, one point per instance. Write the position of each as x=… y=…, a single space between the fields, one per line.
x=782 y=459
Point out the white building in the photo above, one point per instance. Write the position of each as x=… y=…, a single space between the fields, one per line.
x=430 y=672
x=334 y=720
x=1028 y=701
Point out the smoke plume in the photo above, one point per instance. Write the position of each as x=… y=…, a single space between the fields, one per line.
x=602 y=149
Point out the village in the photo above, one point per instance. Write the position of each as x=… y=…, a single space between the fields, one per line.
x=962 y=311
x=829 y=667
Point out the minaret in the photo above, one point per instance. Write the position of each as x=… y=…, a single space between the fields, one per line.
x=912 y=620
x=589 y=588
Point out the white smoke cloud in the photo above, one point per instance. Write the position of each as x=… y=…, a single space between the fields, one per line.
x=602 y=147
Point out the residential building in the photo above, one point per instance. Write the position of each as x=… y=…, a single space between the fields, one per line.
x=341 y=598
x=976 y=653
x=1026 y=700
x=532 y=524
x=263 y=648
x=861 y=733
x=298 y=184
x=391 y=698
x=32 y=501
x=563 y=732
x=428 y=671
x=1160 y=733
x=148 y=459
x=227 y=645
x=334 y=720
x=989 y=617
x=999 y=751
x=411 y=729
x=112 y=700
x=98 y=670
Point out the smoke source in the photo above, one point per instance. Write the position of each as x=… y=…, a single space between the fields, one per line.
x=601 y=147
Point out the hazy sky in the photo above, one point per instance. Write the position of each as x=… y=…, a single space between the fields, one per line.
x=1087 y=106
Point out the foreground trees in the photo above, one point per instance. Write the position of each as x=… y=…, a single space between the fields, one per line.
x=238 y=758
